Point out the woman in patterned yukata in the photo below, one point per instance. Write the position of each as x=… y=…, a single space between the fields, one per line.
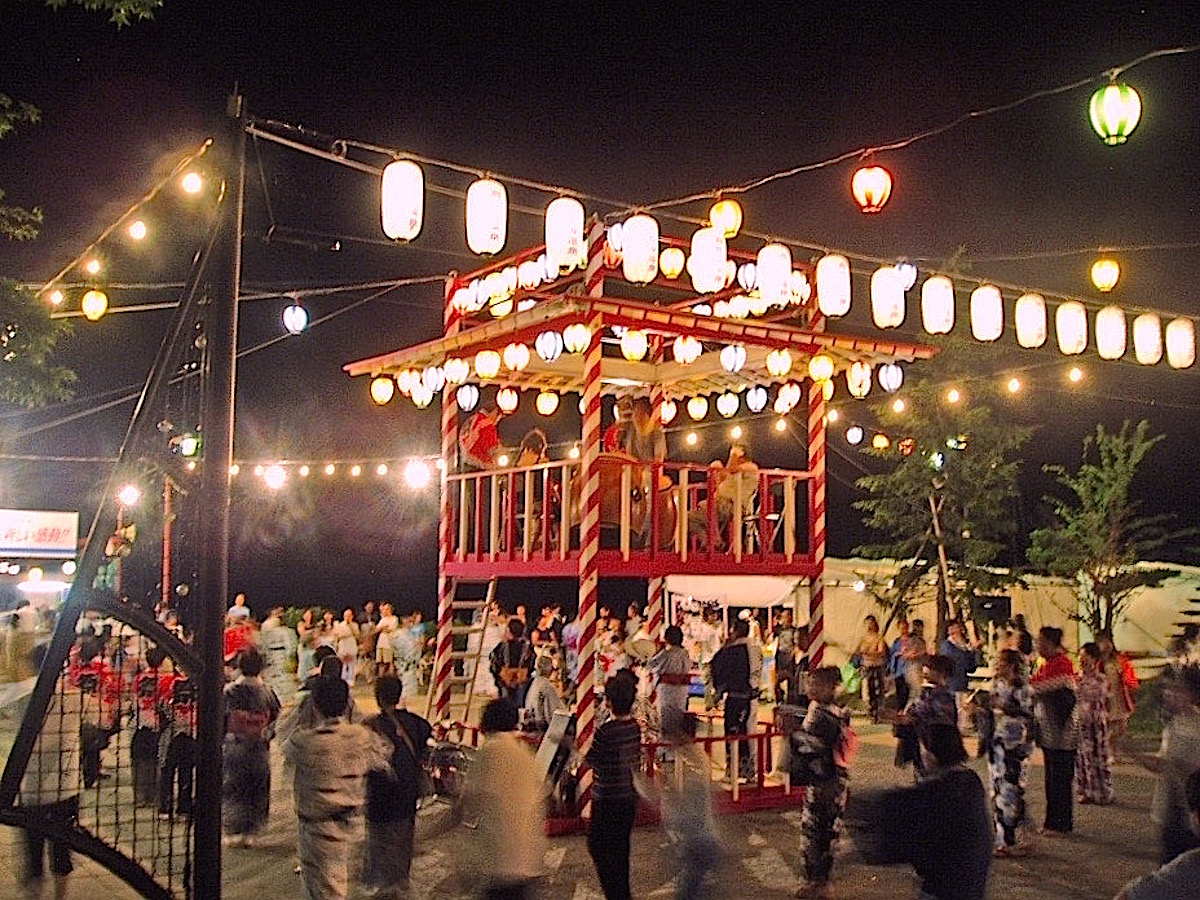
x=1010 y=749
x=1093 y=771
x=251 y=709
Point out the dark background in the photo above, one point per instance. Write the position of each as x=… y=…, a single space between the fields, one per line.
x=638 y=103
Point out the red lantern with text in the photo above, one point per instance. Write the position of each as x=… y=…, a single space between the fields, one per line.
x=871 y=186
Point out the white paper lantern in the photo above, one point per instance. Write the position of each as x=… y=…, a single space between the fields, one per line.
x=516 y=357
x=382 y=389
x=1030 y=317
x=833 y=284
x=774 y=269
x=406 y=380
x=487 y=363
x=727 y=404
x=739 y=306
x=549 y=345
x=779 y=362
x=402 y=200
x=1147 y=339
x=686 y=349
x=756 y=399
x=887 y=297
x=487 y=216
x=697 y=408
x=640 y=261
x=891 y=377
x=634 y=345
x=456 y=370
x=820 y=367
x=507 y=399
x=564 y=234
x=546 y=403
x=1181 y=343
x=733 y=357
x=464 y=299
x=793 y=392
x=937 y=304
x=1110 y=332
x=576 y=337
x=467 y=396
x=706 y=265
x=667 y=411
x=783 y=405
x=747 y=276
x=799 y=288
x=434 y=379
x=854 y=435
x=1070 y=324
x=987 y=313
x=529 y=274
x=671 y=261
x=421 y=396
x=858 y=379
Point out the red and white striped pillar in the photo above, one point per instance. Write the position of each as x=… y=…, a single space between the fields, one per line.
x=816 y=513
x=589 y=523
x=654 y=590
x=443 y=663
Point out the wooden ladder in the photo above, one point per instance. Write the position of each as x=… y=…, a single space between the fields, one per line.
x=463 y=612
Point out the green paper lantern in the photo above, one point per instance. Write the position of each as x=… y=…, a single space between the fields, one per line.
x=1115 y=110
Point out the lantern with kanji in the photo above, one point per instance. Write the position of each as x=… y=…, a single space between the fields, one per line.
x=639 y=237
x=1029 y=315
x=487 y=216
x=833 y=284
x=937 y=304
x=887 y=297
x=1110 y=332
x=402 y=200
x=987 y=313
x=564 y=234
x=1070 y=323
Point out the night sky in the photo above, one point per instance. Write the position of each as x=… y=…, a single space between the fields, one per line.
x=637 y=104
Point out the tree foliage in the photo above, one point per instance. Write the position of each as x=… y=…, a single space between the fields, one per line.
x=1098 y=538
x=956 y=458
x=120 y=12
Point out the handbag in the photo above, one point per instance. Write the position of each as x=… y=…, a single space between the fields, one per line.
x=425 y=786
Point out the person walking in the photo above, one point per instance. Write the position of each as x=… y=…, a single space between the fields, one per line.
x=1093 y=774
x=613 y=756
x=687 y=807
x=1181 y=877
x=251 y=709
x=1054 y=688
x=1010 y=749
x=393 y=793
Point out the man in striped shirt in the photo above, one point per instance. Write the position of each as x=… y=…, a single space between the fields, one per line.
x=612 y=757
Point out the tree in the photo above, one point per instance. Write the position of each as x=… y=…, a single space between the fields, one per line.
x=950 y=485
x=1098 y=538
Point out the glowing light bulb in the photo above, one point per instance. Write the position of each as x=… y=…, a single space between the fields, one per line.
x=56 y=297
x=355 y=470
x=330 y=468
x=1075 y=375
x=417 y=474
x=1014 y=385
x=781 y=425
x=736 y=432
x=274 y=477
x=137 y=230
x=898 y=406
x=692 y=439
x=92 y=266
x=952 y=396
x=303 y=471
x=192 y=183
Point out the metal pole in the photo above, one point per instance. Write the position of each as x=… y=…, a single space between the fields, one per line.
x=221 y=333
x=118 y=563
x=168 y=528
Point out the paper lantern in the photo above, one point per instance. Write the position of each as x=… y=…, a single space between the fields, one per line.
x=1105 y=273
x=576 y=337
x=1147 y=339
x=639 y=263
x=747 y=276
x=891 y=377
x=783 y=405
x=295 y=318
x=456 y=370
x=779 y=362
x=937 y=304
x=564 y=234
x=407 y=379
x=756 y=399
x=487 y=216
x=881 y=442
x=792 y=393
x=887 y=297
x=827 y=390
x=758 y=306
x=1114 y=111
x=987 y=313
x=833 y=284
x=1110 y=332
x=720 y=309
x=671 y=261
x=854 y=435
x=549 y=345
x=529 y=274
x=858 y=379
x=546 y=402
x=1030 y=316
x=733 y=357
x=433 y=378
x=402 y=200
x=421 y=396
x=686 y=349
x=727 y=404
x=798 y=287
x=487 y=363
x=94 y=305
x=774 y=269
x=697 y=408
x=464 y=298
x=634 y=345
x=871 y=187
x=908 y=274
x=1181 y=343
x=1070 y=324
x=739 y=306
x=820 y=367
x=706 y=264
x=667 y=411
x=726 y=215
x=507 y=399
x=382 y=389
x=516 y=357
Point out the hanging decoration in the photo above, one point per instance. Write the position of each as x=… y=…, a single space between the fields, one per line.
x=937 y=304
x=779 y=362
x=891 y=377
x=987 y=313
x=706 y=265
x=546 y=402
x=773 y=273
x=456 y=370
x=871 y=187
x=697 y=408
x=1105 y=273
x=667 y=411
x=634 y=345
x=549 y=345
x=529 y=274
x=854 y=435
x=487 y=363
x=833 y=284
x=1114 y=111
x=1070 y=323
x=382 y=389
x=1110 y=332
x=295 y=317
x=820 y=367
x=576 y=337
x=487 y=216
x=421 y=396
x=686 y=349
x=756 y=399
x=726 y=215
x=516 y=357
x=739 y=306
x=727 y=404
x=94 y=304
x=747 y=276
x=858 y=379
x=1147 y=339
x=881 y=441
x=407 y=379
x=782 y=407
x=733 y=357
x=887 y=297
x=564 y=234
x=671 y=262
x=402 y=199
x=507 y=400
x=639 y=261
x=1181 y=343
x=1030 y=316
x=433 y=379
x=467 y=397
